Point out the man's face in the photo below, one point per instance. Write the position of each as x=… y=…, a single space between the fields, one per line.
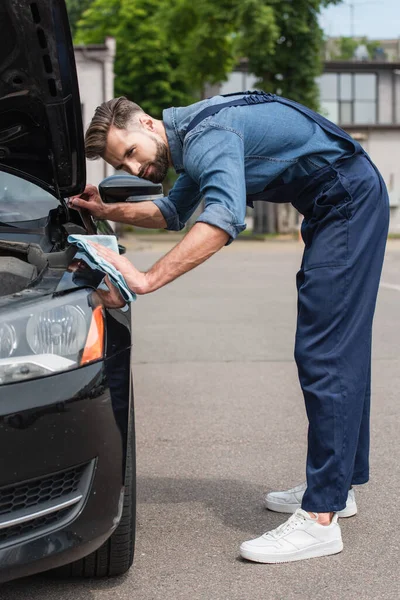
x=138 y=152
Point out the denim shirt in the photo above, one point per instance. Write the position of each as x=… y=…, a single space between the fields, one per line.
x=236 y=152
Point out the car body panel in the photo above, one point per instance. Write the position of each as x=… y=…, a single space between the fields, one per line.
x=78 y=420
x=41 y=135
x=51 y=424
x=63 y=436
x=54 y=423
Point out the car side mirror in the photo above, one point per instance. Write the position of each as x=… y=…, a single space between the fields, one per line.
x=128 y=188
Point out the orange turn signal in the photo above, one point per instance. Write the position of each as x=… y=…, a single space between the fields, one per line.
x=94 y=347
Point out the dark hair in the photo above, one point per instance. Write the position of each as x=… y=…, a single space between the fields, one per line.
x=118 y=113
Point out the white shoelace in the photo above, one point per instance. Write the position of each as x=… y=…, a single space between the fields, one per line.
x=292 y=523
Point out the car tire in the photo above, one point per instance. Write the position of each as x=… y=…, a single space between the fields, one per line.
x=115 y=556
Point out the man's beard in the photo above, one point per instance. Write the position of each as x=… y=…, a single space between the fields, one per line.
x=159 y=166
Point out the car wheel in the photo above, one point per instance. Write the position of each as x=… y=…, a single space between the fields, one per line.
x=115 y=556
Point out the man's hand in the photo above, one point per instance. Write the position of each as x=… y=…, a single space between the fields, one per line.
x=201 y=242
x=142 y=214
x=135 y=279
x=91 y=201
x=110 y=299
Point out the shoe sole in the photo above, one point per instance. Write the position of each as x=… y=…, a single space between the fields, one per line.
x=348 y=511
x=324 y=549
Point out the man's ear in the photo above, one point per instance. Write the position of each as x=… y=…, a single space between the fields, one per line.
x=147 y=122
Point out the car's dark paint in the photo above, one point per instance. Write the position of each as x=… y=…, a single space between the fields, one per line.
x=128 y=188
x=57 y=423
x=77 y=420
x=41 y=135
x=50 y=424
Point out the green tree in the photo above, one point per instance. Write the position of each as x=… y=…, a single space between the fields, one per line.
x=372 y=46
x=347 y=48
x=291 y=65
x=281 y=40
x=169 y=50
x=75 y=9
x=147 y=63
x=204 y=31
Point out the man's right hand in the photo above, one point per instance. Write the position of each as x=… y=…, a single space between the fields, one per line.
x=91 y=201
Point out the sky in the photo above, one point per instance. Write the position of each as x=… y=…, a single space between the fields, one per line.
x=376 y=19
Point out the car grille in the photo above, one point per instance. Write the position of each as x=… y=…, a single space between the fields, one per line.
x=37 y=506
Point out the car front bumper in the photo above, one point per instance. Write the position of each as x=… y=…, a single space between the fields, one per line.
x=62 y=440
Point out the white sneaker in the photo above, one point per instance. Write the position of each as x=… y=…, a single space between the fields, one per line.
x=290 y=500
x=298 y=538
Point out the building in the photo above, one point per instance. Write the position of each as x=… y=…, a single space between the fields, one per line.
x=364 y=98
x=95 y=70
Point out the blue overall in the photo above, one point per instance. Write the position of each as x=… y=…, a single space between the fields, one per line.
x=346 y=216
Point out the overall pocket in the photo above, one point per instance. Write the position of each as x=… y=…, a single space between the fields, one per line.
x=325 y=232
x=335 y=197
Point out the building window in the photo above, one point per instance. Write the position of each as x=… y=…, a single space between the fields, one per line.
x=349 y=98
x=238 y=81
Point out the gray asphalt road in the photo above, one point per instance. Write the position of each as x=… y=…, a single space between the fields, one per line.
x=220 y=422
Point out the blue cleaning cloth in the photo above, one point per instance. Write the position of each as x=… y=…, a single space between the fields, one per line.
x=89 y=255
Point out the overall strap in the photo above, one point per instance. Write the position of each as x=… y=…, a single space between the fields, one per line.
x=324 y=123
x=248 y=99
x=277 y=190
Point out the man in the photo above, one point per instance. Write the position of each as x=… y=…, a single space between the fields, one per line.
x=257 y=146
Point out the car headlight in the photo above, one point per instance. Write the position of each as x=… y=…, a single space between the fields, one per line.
x=60 y=330
x=8 y=340
x=50 y=336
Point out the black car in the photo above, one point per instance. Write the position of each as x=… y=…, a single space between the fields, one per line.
x=67 y=454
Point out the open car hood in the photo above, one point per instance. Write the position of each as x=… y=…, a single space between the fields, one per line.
x=41 y=135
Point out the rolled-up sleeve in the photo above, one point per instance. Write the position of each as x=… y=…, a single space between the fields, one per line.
x=181 y=202
x=214 y=158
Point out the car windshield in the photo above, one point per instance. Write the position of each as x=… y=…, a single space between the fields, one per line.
x=22 y=200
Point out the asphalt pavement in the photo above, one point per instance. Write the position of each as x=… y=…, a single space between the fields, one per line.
x=220 y=422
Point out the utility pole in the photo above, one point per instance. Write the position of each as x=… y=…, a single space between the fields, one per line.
x=353 y=5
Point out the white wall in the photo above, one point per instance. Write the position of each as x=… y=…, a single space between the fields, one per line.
x=95 y=70
x=385 y=90
x=397 y=96
x=383 y=148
